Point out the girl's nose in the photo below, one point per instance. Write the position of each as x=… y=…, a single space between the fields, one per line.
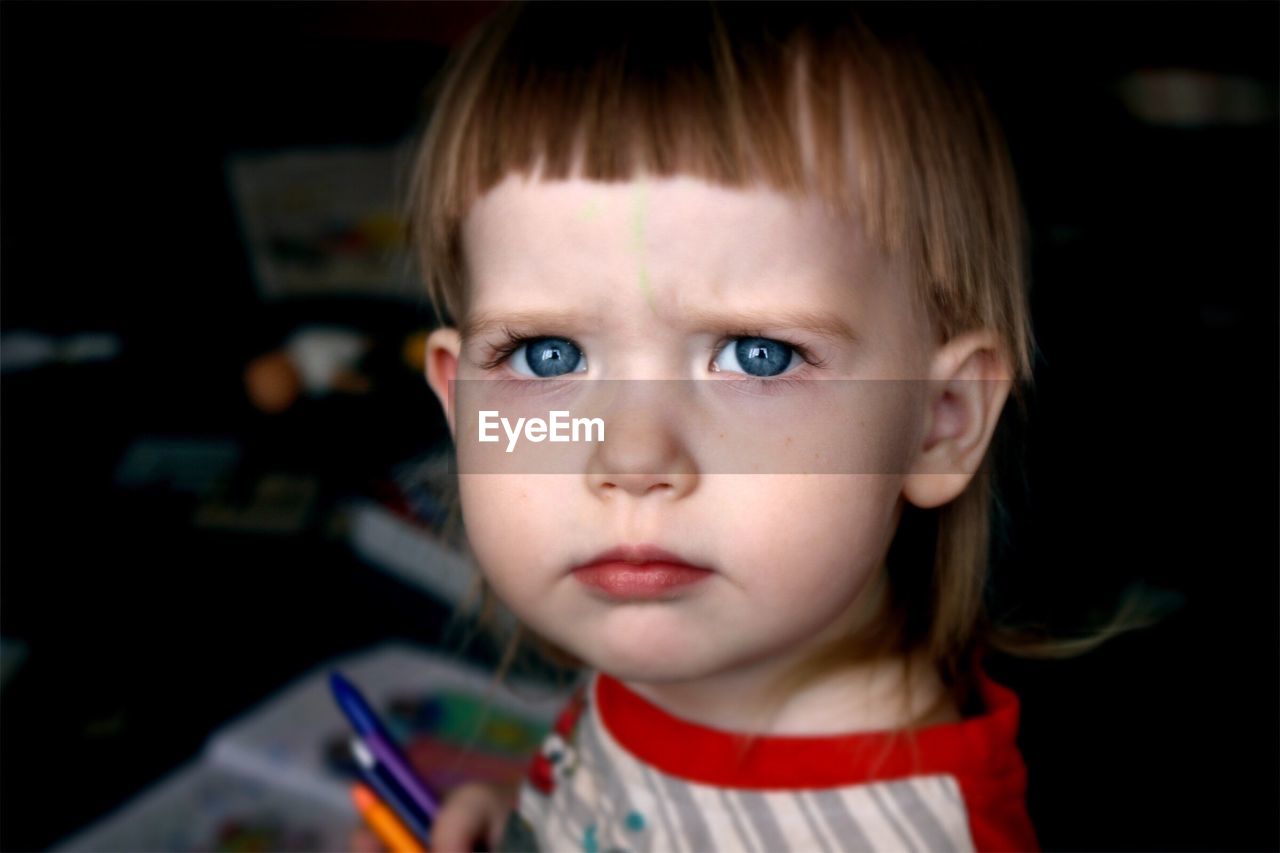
x=641 y=456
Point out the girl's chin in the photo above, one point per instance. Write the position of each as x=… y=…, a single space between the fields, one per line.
x=649 y=672
x=648 y=665
x=647 y=644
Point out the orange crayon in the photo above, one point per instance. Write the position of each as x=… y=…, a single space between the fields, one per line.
x=384 y=822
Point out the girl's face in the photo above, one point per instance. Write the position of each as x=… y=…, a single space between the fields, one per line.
x=665 y=279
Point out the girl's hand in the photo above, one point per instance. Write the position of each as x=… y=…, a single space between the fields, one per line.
x=472 y=817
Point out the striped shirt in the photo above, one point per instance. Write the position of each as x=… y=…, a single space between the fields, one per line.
x=618 y=773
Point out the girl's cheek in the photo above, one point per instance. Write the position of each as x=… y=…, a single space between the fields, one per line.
x=506 y=524
x=849 y=512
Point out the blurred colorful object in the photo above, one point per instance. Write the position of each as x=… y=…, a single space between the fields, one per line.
x=464 y=718
x=315 y=360
x=324 y=221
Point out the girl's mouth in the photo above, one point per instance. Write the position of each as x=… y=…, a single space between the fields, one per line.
x=639 y=572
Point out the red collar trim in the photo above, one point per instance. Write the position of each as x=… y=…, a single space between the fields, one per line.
x=982 y=746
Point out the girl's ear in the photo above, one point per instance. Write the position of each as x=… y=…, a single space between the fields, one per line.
x=443 y=346
x=969 y=384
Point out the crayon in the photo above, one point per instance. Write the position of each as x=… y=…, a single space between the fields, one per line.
x=383 y=822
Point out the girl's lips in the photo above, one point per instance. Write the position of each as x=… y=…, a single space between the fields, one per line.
x=639 y=580
x=639 y=572
x=638 y=555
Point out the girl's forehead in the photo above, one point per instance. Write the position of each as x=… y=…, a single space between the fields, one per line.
x=671 y=236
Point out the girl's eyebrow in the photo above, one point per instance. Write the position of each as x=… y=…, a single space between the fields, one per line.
x=823 y=325
x=479 y=324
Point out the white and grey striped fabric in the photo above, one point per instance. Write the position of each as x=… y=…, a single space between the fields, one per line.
x=605 y=799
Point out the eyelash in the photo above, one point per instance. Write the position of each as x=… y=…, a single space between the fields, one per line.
x=500 y=352
x=512 y=341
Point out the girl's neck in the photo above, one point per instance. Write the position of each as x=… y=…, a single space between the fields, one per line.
x=873 y=695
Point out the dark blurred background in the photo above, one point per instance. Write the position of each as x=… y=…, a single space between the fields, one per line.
x=173 y=553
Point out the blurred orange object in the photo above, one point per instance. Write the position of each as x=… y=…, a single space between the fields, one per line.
x=415 y=351
x=272 y=382
x=384 y=822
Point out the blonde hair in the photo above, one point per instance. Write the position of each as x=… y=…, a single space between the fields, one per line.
x=815 y=102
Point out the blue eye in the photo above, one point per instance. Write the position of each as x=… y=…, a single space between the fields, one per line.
x=547 y=358
x=762 y=357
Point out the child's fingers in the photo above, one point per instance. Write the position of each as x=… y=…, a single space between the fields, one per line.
x=469 y=816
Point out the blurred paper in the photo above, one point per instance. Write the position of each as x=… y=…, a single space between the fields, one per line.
x=278 y=778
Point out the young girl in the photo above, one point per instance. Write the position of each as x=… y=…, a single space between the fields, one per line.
x=774 y=582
